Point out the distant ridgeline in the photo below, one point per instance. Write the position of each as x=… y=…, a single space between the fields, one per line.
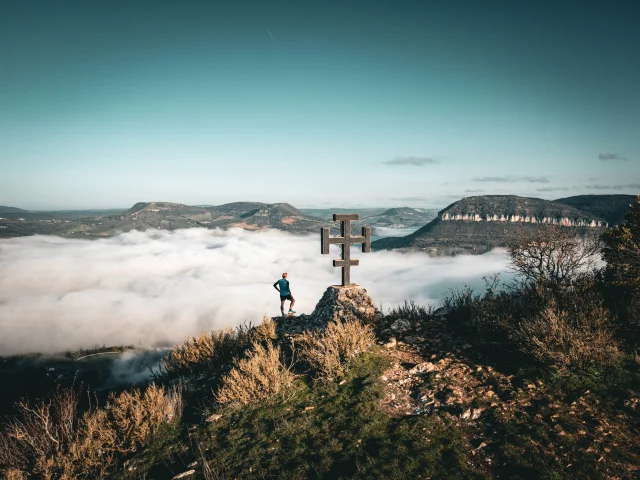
x=478 y=224
x=473 y=224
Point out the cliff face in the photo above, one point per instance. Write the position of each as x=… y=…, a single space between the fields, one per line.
x=511 y=208
x=515 y=218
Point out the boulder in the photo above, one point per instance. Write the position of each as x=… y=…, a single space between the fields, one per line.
x=344 y=303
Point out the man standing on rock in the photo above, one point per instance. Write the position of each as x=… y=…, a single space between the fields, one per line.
x=285 y=293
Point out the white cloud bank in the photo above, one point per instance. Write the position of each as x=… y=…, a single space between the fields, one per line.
x=144 y=288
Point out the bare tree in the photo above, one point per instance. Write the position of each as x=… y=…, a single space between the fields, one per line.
x=553 y=255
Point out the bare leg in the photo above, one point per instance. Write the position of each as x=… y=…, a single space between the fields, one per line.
x=282 y=307
x=293 y=302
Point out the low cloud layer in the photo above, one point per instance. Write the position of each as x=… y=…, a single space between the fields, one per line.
x=414 y=161
x=410 y=199
x=553 y=189
x=514 y=178
x=154 y=287
x=627 y=186
x=608 y=157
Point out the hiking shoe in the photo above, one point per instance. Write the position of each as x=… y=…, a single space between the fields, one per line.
x=292 y=311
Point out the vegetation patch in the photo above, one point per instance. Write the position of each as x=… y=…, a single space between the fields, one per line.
x=328 y=430
x=260 y=376
x=329 y=352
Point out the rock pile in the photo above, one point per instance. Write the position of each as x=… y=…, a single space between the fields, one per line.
x=345 y=303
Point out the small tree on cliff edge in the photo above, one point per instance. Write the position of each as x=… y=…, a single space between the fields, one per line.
x=622 y=253
x=622 y=250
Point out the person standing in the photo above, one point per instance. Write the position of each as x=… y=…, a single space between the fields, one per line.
x=282 y=286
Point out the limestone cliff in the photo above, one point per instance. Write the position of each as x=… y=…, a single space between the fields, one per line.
x=563 y=221
x=478 y=224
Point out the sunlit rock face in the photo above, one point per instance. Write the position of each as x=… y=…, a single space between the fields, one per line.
x=515 y=218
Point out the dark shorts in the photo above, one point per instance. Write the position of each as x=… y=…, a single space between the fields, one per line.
x=286 y=297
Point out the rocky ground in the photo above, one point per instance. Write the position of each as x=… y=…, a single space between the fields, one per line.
x=432 y=373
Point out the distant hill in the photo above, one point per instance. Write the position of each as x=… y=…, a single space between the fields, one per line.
x=401 y=217
x=611 y=208
x=163 y=207
x=159 y=215
x=478 y=224
x=15 y=213
x=11 y=210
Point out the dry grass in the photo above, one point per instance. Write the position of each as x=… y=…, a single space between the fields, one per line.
x=14 y=474
x=580 y=339
x=329 y=352
x=135 y=415
x=200 y=356
x=258 y=377
x=265 y=331
x=49 y=440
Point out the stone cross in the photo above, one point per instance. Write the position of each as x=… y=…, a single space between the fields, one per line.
x=346 y=240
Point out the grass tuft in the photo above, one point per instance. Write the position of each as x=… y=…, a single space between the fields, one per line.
x=328 y=352
x=260 y=376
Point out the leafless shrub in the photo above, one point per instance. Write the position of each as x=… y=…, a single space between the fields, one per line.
x=258 y=377
x=577 y=339
x=328 y=352
x=553 y=255
x=41 y=430
x=48 y=440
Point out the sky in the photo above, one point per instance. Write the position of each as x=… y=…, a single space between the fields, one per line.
x=105 y=103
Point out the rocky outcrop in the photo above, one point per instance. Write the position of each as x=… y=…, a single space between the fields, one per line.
x=344 y=303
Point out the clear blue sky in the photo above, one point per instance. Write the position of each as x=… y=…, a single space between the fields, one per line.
x=105 y=103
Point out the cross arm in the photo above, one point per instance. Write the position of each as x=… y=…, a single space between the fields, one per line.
x=338 y=217
x=354 y=262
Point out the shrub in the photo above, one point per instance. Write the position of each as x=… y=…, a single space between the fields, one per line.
x=564 y=338
x=212 y=353
x=622 y=273
x=15 y=474
x=489 y=315
x=622 y=250
x=264 y=331
x=328 y=352
x=50 y=439
x=410 y=311
x=43 y=430
x=553 y=255
x=258 y=377
x=135 y=415
x=202 y=354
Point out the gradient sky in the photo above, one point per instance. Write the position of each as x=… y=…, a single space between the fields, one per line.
x=105 y=103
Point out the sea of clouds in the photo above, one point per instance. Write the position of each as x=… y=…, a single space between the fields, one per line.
x=156 y=287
